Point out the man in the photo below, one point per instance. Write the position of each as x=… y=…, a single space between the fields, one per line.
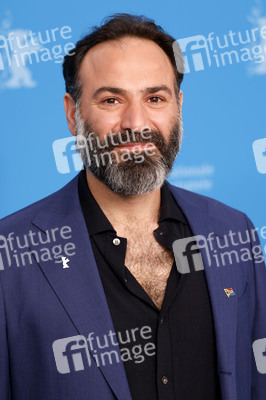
x=115 y=313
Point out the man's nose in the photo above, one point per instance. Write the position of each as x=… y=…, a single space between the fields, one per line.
x=134 y=116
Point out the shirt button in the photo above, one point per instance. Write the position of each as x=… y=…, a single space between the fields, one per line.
x=161 y=321
x=116 y=241
x=161 y=233
x=164 y=380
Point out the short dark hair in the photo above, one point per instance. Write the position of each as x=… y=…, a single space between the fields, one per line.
x=116 y=27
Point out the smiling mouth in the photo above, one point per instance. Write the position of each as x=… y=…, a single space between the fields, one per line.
x=137 y=145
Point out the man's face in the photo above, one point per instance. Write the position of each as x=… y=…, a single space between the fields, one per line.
x=129 y=85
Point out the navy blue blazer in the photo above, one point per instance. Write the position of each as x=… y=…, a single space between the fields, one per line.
x=42 y=302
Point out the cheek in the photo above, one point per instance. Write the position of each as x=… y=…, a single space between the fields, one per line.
x=162 y=123
x=102 y=122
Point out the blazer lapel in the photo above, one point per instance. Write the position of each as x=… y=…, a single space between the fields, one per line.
x=224 y=308
x=79 y=287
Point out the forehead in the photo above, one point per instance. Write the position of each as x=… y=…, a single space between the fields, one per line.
x=128 y=61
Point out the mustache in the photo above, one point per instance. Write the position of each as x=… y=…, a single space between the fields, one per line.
x=130 y=136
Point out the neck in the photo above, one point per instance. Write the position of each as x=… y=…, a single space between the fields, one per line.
x=143 y=208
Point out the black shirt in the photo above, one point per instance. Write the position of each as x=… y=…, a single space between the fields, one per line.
x=168 y=353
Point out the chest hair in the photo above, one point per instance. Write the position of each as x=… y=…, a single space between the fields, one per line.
x=148 y=261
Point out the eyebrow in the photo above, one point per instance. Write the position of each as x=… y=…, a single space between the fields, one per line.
x=117 y=90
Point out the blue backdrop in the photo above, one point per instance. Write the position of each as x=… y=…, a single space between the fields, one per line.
x=224 y=44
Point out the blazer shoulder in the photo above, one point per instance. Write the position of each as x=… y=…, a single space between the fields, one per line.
x=215 y=207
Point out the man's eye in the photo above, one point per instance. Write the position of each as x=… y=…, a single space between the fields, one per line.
x=155 y=99
x=110 y=100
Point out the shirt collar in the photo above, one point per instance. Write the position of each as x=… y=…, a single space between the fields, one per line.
x=94 y=216
x=169 y=207
x=97 y=221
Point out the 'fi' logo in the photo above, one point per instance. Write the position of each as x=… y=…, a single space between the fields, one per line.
x=259 y=150
x=195 y=52
x=259 y=350
x=66 y=156
x=71 y=354
x=188 y=254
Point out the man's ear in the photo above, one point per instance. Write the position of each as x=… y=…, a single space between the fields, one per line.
x=69 y=105
x=181 y=98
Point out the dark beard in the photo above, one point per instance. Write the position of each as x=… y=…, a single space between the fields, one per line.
x=128 y=177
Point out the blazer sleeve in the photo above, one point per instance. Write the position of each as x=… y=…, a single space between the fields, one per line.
x=259 y=316
x=5 y=389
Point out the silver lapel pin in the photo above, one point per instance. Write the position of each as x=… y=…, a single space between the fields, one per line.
x=65 y=260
